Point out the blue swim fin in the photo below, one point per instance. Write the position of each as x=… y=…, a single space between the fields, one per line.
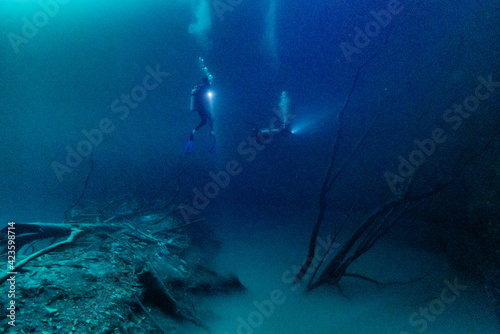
x=212 y=147
x=189 y=147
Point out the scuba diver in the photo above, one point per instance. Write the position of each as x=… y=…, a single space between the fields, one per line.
x=263 y=136
x=200 y=102
x=284 y=116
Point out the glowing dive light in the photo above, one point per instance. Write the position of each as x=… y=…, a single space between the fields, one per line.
x=210 y=96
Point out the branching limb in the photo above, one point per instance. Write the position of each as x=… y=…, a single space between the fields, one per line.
x=20 y=264
x=332 y=173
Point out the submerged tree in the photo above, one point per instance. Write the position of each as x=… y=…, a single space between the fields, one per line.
x=421 y=184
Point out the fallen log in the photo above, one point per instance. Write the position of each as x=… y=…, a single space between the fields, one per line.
x=20 y=264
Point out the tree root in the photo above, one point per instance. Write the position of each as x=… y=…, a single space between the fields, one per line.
x=20 y=264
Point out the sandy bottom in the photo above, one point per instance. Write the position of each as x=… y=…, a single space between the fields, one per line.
x=262 y=248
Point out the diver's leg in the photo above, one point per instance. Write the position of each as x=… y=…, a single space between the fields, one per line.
x=212 y=133
x=199 y=126
x=211 y=124
x=189 y=145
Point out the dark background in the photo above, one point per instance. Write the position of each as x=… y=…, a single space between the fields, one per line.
x=64 y=80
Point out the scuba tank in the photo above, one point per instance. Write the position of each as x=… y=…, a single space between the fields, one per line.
x=194 y=95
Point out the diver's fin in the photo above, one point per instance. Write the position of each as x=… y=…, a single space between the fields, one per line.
x=189 y=147
x=212 y=147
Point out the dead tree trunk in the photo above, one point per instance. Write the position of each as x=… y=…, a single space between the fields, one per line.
x=371 y=229
x=332 y=173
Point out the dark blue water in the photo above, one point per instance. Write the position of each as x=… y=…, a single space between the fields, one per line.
x=110 y=82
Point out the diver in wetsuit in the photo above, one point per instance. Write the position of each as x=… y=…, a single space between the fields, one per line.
x=283 y=113
x=263 y=136
x=200 y=102
x=284 y=116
